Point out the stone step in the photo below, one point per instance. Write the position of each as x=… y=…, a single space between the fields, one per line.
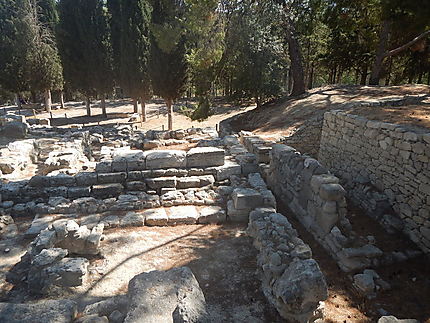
x=161 y=216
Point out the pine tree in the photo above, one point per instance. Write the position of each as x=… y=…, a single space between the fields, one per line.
x=130 y=25
x=168 y=64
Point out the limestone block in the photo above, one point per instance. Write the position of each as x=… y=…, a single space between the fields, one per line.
x=166 y=296
x=104 y=166
x=50 y=311
x=184 y=214
x=246 y=198
x=86 y=179
x=132 y=219
x=236 y=215
x=299 y=290
x=107 y=178
x=165 y=159
x=107 y=190
x=70 y=271
x=77 y=192
x=205 y=157
x=161 y=182
x=155 y=217
x=135 y=186
x=332 y=192
x=230 y=168
x=393 y=319
x=212 y=214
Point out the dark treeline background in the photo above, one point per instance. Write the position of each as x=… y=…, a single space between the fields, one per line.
x=240 y=49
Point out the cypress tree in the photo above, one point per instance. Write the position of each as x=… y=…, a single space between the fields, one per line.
x=130 y=25
x=83 y=38
x=45 y=70
x=13 y=52
x=168 y=64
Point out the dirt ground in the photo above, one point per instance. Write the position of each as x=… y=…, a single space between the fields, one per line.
x=224 y=263
x=284 y=116
x=120 y=111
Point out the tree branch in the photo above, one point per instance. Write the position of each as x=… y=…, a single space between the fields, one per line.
x=407 y=45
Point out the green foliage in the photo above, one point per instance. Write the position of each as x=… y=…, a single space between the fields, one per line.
x=13 y=51
x=130 y=24
x=83 y=38
x=254 y=54
x=168 y=64
x=28 y=53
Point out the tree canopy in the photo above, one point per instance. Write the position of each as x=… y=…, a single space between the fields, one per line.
x=242 y=49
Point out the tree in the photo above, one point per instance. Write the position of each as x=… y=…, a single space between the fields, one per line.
x=403 y=24
x=13 y=51
x=130 y=24
x=85 y=47
x=254 y=53
x=205 y=33
x=168 y=64
x=44 y=65
x=294 y=48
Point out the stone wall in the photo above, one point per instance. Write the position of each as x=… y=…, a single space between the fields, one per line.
x=292 y=281
x=385 y=168
x=318 y=201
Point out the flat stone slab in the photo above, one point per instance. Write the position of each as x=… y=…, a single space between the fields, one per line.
x=132 y=219
x=205 y=157
x=107 y=190
x=166 y=159
x=161 y=182
x=186 y=214
x=246 y=198
x=41 y=223
x=61 y=311
x=212 y=214
x=155 y=217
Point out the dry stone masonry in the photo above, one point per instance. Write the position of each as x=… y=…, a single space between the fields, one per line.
x=385 y=168
x=291 y=279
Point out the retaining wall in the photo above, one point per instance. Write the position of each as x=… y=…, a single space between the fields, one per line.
x=385 y=169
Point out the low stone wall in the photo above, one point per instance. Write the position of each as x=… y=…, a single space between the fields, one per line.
x=385 y=168
x=292 y=281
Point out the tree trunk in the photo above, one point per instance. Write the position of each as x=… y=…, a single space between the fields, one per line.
x=135 y=106
x=88 y=106
x=169 y=113
x=311 y=77
x=62 y=100
x=18 y=101
x=143 y=109
x=295 y=57
x=48 y=101
x=363 y=75
x=103 y=105
x=380 y=53
x=290 y=80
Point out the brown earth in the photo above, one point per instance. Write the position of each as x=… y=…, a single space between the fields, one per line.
x=120 y=111
x=284 y=116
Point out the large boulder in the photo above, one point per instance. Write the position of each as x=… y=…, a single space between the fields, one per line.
x=166 y=296
x=299 y=290
x=60 y=311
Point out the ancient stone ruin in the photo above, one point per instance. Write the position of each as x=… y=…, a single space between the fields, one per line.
x=78 y=185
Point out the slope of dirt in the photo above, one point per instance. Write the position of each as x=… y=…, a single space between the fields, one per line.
x=283 y=117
